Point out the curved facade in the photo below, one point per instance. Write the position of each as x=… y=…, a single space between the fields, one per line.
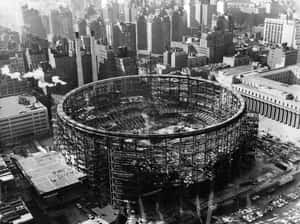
x=133 y=134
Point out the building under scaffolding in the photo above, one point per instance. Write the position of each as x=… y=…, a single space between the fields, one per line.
x=136 y=134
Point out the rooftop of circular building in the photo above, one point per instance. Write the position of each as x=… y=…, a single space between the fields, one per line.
x=146 y=106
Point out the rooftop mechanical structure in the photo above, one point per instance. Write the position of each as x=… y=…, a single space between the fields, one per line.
x=134 y=134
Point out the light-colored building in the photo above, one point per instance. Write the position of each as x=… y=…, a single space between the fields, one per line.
x=191 y=8
x=52 y=178
x=297 y=39
x=278 y=31
x=273 y=94
x=282 y=57
x=236 y=60
x=158 y=34
x=22 y=116
x=15 y=212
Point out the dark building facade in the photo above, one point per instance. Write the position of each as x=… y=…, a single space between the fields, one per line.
x=124 y=35
x=178 y=25
x=141 y=33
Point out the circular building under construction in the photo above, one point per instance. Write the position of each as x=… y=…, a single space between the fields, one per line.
x=135 y=134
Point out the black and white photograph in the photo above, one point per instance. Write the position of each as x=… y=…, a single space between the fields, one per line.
x=149 y=111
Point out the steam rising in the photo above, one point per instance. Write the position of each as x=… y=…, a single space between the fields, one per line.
x=56 y=80
x=37 y=74
x=15 y=75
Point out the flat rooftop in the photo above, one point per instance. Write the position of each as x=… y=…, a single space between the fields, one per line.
x=238 y=70
x=262 y=83
x=10 y=106
x=5 y=174
x=15 y=212
x=49 y=172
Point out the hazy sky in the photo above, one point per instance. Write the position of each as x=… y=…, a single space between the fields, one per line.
x=10 y=13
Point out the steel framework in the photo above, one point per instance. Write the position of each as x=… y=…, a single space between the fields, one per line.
x=121 y=165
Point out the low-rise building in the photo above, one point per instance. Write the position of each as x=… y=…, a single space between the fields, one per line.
x=15 y=212
x=126 y=65
x=17 y=63
x=282 y=57
x=21 y=117
x=196 y=61
x=236 y=60
x=7 y=179
x=11 y=87
x=179 y=59
x=53 y=180
x=273 y=94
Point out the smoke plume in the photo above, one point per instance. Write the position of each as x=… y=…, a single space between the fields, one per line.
x=56 y=80
x=37 y=74
x=14 y=75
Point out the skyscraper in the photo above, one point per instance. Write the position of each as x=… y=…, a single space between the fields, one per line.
x=297 y=39
x=207 y=14
x=158 y=36
x=124 y=34
x=141 y=26
x=98 y=26
x=130 y=12
x=178 y=24
x=82 y=26
x=215 y=45
x=111 y=12
x=190 y=9
x=33 y=22
x=61 y=23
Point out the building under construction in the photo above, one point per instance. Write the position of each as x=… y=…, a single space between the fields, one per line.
x=133 y=135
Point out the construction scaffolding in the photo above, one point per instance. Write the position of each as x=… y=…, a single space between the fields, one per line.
x=101 y=130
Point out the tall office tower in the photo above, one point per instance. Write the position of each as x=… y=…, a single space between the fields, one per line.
x=178 y=24
x=111 y=12
x=98 y=26
x=61 y=23
x=215 y=45
x=78 y=60
x=223 y=23
x=157 y=40
x=141 y=29
x=124 y=35
x=93 y=56
x=46 y=23
x=207 y=14
x=130 y=12
x=82 y=27
x=109 y=33
x=166 y=30
x=190 y=9
x=198 y=12
x=77 y=7
x=33 y=22
x=106 y=60
x=278 y=31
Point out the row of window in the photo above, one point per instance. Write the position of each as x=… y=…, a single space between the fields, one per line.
x=276 y=101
